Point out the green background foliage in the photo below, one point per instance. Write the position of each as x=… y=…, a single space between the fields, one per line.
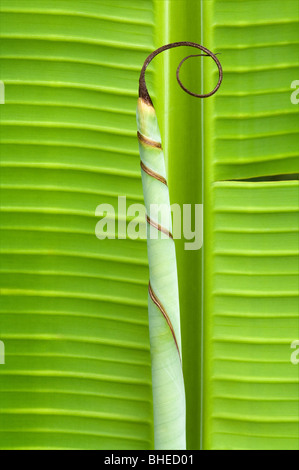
x=73 y=308
x=251 y=228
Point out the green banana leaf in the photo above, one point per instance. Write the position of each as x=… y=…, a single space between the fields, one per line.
x=251 y=228
x=239 y=309
x=73 y=308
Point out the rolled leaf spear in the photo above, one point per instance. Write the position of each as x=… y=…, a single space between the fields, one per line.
x=164 y=312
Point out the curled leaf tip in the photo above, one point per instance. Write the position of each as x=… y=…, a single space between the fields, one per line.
x=143 y=91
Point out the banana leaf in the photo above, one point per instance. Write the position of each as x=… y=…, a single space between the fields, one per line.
x=74 y=319
x=73 y=308
x=239 y=307
x=251 y=232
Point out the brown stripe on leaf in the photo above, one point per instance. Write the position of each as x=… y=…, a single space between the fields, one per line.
x=159 y=227
x=164 y=313
x=146 y=141
x=153 y=173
